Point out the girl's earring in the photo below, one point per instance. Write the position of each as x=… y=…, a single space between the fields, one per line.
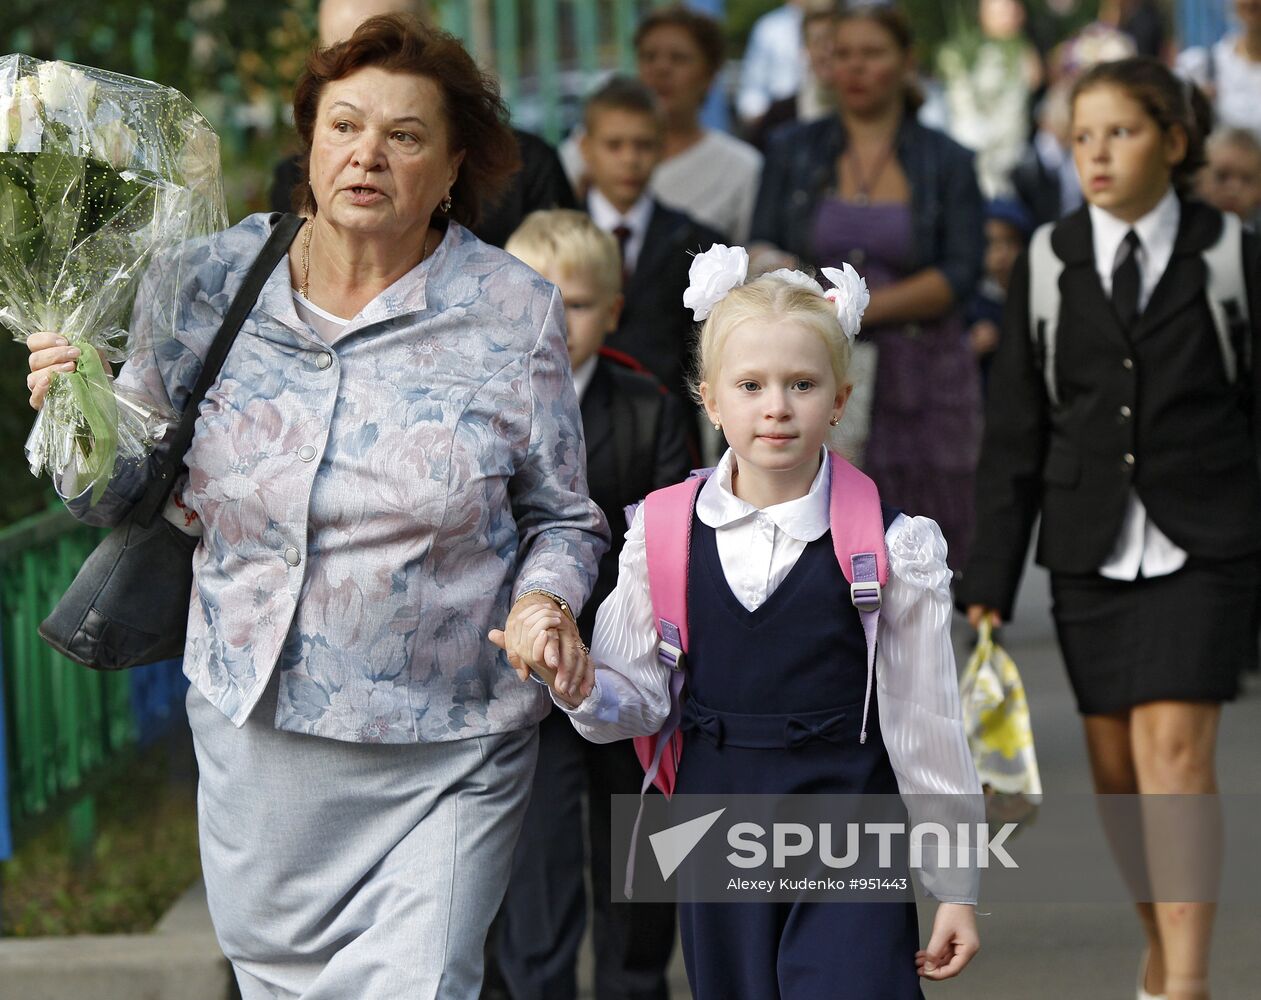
x=446 y=205
x=834 y=421
x=717 y=426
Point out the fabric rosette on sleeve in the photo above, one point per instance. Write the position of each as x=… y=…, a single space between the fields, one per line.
x=101 y=175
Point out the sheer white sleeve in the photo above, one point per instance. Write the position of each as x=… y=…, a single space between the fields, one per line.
x=632 y=688
x=917 y=686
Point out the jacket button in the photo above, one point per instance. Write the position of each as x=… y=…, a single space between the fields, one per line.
x=1128 y=459
x=1128 y=364
x=306 y=453
x=292 y=557
x=323 y=360
x=1126 y=413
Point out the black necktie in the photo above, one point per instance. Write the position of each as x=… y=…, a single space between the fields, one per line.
x=623 y=234
x=1126 y=280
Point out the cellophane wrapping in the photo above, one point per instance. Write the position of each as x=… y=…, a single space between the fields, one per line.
x=100 y=175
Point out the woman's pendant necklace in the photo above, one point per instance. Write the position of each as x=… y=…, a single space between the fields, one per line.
x=863 y=184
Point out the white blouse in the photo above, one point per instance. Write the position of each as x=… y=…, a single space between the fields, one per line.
x=916 y=681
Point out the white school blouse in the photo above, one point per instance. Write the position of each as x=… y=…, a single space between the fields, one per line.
x=917 y=687
x=1141 y=547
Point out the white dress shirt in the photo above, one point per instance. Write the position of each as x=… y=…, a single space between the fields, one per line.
x=583 y=375
x=774 y=61
x=636 y=219
x=916 y=680
x=1141 y=547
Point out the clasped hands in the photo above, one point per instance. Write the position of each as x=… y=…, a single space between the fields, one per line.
x=538 y=637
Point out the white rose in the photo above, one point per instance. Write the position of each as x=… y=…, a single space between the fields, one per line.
x=56 y=87
x=114 y=143
x=850 y=296
x=712 y=275
x=798 y=278
x=21 y=124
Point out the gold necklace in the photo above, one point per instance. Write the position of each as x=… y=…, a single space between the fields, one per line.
x=306 y=261
x=304 y=288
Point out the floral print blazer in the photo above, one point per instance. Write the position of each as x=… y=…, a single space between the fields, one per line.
x=371 y=507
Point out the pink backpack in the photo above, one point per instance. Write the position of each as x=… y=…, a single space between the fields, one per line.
x=857 y=536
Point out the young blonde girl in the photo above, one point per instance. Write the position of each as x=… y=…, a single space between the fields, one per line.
x=772 y=630
x=1143 y=469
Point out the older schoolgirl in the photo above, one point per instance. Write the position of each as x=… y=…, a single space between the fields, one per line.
x=1129 y=423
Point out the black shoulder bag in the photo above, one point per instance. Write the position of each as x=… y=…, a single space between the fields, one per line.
x=128 y=605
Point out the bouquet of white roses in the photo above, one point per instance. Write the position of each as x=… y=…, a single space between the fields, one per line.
x=99 y=175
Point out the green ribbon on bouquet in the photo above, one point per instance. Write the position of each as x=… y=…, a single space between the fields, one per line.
x=98 y=442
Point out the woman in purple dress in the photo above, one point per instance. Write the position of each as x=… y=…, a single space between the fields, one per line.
x=898 y=201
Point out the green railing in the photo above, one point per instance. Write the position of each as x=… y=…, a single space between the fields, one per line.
x=64 y=723
x=547 y=53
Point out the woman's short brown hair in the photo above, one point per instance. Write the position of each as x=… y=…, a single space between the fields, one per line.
x=476 y=116
x=705 y=31
x=1168 y=100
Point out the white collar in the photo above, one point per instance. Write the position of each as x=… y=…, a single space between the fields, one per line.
x=1156 y=230
x=804 y=519
x=583 y=375
x=608 y=218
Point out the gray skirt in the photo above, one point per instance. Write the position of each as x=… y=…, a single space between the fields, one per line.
x=338 y=870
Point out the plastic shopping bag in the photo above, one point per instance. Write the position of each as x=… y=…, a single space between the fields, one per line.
x=996 y=718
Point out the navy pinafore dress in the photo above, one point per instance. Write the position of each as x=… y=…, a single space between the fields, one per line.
x=800 y=658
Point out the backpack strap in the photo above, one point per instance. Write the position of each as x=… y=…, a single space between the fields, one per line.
x=857 y=526
x=668 y=540
x=1227 y=295
x=1044 y=304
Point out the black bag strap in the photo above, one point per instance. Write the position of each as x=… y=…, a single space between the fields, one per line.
x=274 y=249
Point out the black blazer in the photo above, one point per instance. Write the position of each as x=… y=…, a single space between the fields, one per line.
x=636 y=443
x=1152 y=410
x=655 y=329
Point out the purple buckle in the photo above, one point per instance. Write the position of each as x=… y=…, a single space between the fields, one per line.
x=670 y=648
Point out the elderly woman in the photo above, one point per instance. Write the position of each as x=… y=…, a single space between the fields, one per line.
x=389 y=462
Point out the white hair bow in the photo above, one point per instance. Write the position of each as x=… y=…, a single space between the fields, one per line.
x=721 y=268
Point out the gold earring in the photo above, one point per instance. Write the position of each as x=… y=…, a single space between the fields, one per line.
x=834 y=421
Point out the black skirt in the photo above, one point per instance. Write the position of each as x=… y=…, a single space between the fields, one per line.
x=1182 y=637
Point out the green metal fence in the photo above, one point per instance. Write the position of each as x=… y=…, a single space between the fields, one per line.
x=546 y=53
x=63 y=722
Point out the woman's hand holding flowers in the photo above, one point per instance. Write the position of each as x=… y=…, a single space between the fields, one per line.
x=51 y=353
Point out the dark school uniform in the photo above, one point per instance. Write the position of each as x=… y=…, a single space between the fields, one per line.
x=753 y=724
x=1145 y=408
x=636 y=436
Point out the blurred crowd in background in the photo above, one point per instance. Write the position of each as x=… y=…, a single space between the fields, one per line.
x=991 y=74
